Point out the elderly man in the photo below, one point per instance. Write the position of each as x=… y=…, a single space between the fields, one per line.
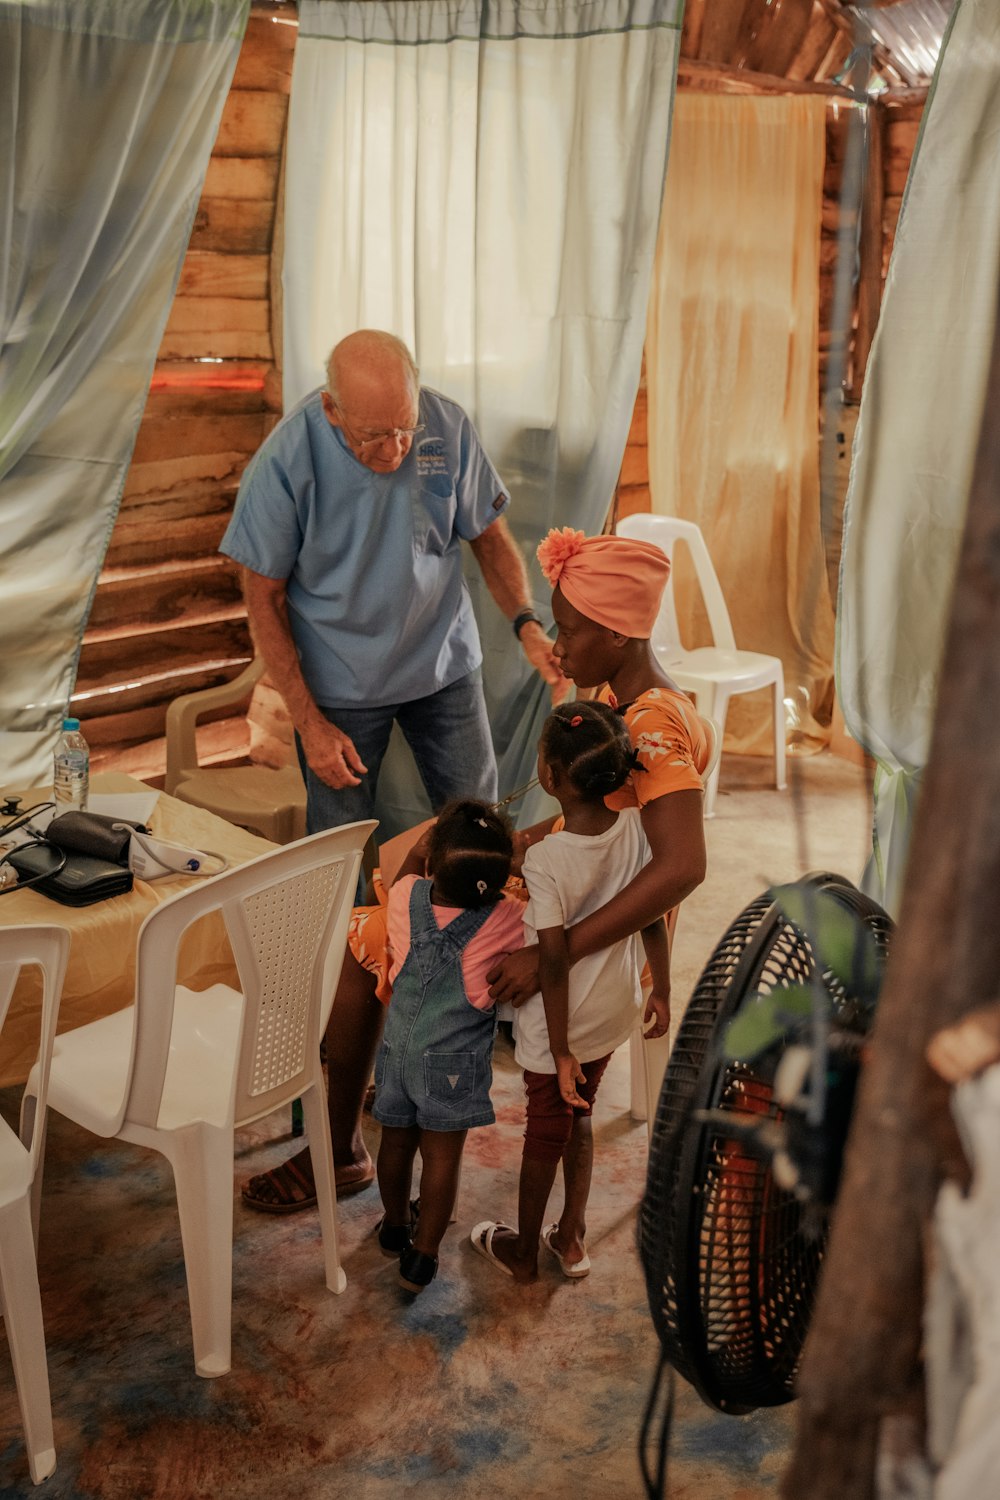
x=348 y=527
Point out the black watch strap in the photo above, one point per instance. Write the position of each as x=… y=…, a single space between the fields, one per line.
x=524 y=617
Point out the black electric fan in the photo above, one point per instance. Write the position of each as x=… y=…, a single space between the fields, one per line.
x=734 y=1219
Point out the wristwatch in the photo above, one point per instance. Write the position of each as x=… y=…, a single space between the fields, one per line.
x=524 y=617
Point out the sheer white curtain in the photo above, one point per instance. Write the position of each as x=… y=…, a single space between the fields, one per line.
x=484 y=180
x=108 y=111
x=915 y=445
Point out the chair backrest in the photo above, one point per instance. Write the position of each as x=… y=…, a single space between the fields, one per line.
x=664 y=532
x=287 y=915
x=47 y=948
x=184 y=712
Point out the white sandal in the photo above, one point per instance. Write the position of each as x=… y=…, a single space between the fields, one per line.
x=482 y=1242
x=574 y=1270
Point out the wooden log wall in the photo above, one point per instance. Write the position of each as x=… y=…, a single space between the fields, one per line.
x=167 y=616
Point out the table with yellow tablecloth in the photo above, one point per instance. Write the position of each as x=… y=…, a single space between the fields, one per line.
x=100 y=977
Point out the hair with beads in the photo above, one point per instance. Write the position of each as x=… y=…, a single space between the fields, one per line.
x=469 y=854
x=589 y=743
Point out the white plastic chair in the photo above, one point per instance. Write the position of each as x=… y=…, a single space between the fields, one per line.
x=269 y=800
x=20 y=1167
x=177 y=1072
x=648 y=1060
x=713 y=674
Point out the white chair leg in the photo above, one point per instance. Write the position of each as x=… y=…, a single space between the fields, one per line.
x=637 y=1077
x=202 y=1160
x=779 y=732
x=655 y=1056
x=317 y=1118
x=28 y=1125
x=713 y=703
x=26 y=1336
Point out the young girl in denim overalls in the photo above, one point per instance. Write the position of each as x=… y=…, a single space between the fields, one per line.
x=434 y=1067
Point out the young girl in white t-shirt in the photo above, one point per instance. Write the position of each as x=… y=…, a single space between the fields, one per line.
x=565 y=1035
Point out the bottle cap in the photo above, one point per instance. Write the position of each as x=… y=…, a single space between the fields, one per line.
x=71 y=723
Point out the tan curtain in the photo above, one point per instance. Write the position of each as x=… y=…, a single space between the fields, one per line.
x=731 y=361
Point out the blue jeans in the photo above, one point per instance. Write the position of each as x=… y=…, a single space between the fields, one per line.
x=448 y=733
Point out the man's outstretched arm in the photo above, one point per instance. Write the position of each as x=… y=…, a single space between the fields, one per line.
x=504 y=573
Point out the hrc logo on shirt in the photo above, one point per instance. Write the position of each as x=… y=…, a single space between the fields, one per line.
x=431 y=457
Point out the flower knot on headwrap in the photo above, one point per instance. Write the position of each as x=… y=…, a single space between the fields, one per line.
x=614 y=580
x=557 y=549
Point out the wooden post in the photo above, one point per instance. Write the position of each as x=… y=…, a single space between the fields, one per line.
x=870 y=277
x=862 y=1359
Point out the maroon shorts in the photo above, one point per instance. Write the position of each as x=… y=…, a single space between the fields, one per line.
x=550 y=1118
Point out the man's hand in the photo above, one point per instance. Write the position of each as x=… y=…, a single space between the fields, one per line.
x=569 y=1074
x=537 y=647
x=331 y=754
x=505 y=576
x=515 y=978
x=658 y=1011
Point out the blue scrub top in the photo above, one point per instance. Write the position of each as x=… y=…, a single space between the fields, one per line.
x=377 y=604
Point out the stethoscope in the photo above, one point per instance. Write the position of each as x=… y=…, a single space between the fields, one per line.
x=10 y=880
x=513 y=796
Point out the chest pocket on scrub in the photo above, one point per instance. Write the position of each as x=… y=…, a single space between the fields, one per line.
x=433 y=501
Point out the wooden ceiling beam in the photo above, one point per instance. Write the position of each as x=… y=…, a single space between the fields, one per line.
x=724 y=78
x=694 y=21
x=780 y=35
x=722 y=28
x=815 y=45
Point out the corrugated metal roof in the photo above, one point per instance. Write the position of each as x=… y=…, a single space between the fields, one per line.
x=910 y=32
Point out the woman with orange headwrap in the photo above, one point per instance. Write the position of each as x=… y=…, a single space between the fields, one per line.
x=607 y=592
x=606 y=596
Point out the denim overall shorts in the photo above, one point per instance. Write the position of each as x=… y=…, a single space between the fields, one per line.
x=435 y=1065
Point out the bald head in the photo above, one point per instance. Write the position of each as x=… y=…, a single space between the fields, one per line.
x=370 y=358
x=372 y=395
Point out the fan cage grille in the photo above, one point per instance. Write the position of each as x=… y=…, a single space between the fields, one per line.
x=732 y=1261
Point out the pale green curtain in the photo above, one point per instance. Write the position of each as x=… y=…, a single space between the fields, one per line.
x=108 y=111
x=916 y=439
x=483 y=178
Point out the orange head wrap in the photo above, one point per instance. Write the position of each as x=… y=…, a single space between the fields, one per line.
x=611 y=579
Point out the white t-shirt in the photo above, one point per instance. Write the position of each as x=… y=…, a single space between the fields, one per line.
x=570 y=875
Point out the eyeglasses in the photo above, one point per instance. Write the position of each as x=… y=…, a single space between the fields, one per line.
x=374 y=439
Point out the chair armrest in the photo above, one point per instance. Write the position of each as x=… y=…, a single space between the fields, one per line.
x=183 y=715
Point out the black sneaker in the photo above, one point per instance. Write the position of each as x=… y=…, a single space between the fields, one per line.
x=416 y=1270
x=393 y=1239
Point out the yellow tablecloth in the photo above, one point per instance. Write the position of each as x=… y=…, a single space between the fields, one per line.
x=101 y=973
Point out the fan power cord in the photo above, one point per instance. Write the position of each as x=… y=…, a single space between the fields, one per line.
x=663 y=1392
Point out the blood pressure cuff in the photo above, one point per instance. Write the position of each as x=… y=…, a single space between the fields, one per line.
x=81 y=881
x=94 y=834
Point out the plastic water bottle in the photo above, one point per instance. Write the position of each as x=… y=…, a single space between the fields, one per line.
x=71 y=768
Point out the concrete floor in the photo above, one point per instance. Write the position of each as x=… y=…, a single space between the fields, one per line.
x=479 y=1390
x=760 y=837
